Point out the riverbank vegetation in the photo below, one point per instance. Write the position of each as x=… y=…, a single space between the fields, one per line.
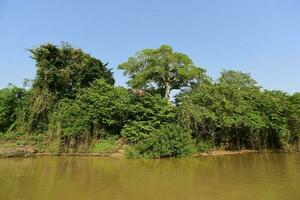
x=171 y=107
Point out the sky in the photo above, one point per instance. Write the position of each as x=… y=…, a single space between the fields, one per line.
x=260 y=37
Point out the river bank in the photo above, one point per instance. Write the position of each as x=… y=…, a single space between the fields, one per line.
x=28 y=151
x=34 y=146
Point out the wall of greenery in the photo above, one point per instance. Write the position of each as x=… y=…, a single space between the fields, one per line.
x=73 y=100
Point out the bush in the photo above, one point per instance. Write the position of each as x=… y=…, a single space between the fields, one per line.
x=147 y=113
x=107 y=105
x=11 y=100
x=203 y=146
x=170 y=140
x=131 y=152
x=71 y=123
x=137 y=130
x=105 y=145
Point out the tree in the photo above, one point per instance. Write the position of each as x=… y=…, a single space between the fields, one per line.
x=223 y=113
x=237 y=79
x=162 y=69
x=294 y=118
x=98 y=111
x=64 y=70
x=61 y=73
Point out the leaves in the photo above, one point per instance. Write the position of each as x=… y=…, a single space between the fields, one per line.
x=162 y=69
x=235 y=113
x=170 y=140
x=62 y=72
x=11 y=102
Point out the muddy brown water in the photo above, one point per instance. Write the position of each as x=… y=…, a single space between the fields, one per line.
x=253 y=176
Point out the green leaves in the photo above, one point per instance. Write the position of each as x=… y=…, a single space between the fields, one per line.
x=234 y=113
x=108 y=105
x=162 y=69
x=11 y=102
x=70 y=121
x=74 y=100
x=62 y=72
x=147 y=113
x=170 y=140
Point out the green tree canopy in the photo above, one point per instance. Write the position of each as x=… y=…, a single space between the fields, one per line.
x=64 y=70
x=162 y=69
x=61 y=73
x=237 y=79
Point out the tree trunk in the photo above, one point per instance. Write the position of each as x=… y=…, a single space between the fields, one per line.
x=167 y=91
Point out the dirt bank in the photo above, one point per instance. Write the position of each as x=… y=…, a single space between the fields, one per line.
x=30 y=151
x=27 y=151
x=225 y=152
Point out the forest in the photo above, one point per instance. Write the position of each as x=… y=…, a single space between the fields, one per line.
x=170 y=108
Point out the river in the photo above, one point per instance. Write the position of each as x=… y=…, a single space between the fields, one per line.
x=253 y=176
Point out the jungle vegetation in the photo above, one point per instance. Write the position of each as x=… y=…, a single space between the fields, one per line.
x=73 y=103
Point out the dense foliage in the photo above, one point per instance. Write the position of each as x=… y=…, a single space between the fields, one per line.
x=61 y=73
x=170 y=140
x=73 y=103
x=234 y=113
x=147 y=113
x=11 y=100
x=162 y=69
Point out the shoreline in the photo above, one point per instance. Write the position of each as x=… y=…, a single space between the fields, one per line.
x=228 y=153
x=30 y=152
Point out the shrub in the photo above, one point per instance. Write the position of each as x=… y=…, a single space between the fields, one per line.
x=71 y=123
x=11 y=100
x=147 y=113
x=170 y=140
x=203 y=146
x=107 y=105
x=131 y=152
x=137 y=130
x=105 y=145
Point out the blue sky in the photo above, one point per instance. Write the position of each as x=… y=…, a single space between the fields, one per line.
x=261 y=37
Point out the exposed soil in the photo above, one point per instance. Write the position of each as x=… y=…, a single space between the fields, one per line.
x=225 y=152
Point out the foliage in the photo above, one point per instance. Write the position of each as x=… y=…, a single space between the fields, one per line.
x=61 y=73
x=203 y=146
x=11 y=101
x=146 y=114
x=98 y=111
x=107 y=105
x=64 y=70
x=132 y=152
x=162 y=69
x=72 y=103
x=170 y=140
x=105 y=145
x=70 y=122
x=234 y=113
x=294 y=118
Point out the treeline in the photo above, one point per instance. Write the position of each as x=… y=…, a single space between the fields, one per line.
x=73 y=101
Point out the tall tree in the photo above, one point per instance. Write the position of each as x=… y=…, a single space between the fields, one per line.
x=64 y=70
x=161 y=69
x=61 y=73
